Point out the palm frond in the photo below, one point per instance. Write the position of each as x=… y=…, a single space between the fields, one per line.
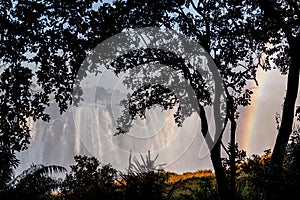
x=50 y=169
x=39 y=171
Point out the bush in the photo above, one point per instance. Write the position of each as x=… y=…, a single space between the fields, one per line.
x=88 y=180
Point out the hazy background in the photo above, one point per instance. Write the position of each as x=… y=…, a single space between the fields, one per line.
x=89 y=131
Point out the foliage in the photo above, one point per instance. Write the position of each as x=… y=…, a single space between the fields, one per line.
x=44 y=43
x=89 y=180
x=32 y=34
x=144 y=180
x=147 y=185
x=239 y=157
x=34 y=183
x=203 y=188
x=281 y=24
x=252 y=182
x=292 y=164
x=254 y=178
x=220 y=30
x=173 y=177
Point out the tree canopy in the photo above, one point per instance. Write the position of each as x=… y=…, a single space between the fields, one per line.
x=45 y=43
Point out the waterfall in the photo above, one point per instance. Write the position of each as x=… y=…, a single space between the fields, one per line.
x=89 y=129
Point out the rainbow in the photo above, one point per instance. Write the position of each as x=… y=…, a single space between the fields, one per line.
x=249 y=117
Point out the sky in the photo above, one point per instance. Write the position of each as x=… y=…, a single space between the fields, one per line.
x=257 y=125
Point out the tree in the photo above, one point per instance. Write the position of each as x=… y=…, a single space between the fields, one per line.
x=89 y=180
x=62 y=42
x=43 y=45
x=221 y=29
x=206 y=25
x=55 y=37
x=283 y=18
x=30 y=56
x=275 y=23
x=34 y=183
x=281 y=27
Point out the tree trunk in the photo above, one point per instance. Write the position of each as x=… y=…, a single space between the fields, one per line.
x=222 y=182
x=288 y=107
x=232 y=153
x=215 y=154
x=215 y=150
x=232 y=157
x=288 y=113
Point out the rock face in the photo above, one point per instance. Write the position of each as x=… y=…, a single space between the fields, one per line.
x=89 y=129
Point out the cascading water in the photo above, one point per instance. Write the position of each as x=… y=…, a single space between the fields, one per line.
x=89 y=129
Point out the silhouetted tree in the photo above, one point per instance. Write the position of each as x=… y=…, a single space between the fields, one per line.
x=37 y=47
x=279 y=20
x=220 y=30
x=58 y=45
x=34 y=183
x=45 y=43
x=228 y=31
x=89 y=180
